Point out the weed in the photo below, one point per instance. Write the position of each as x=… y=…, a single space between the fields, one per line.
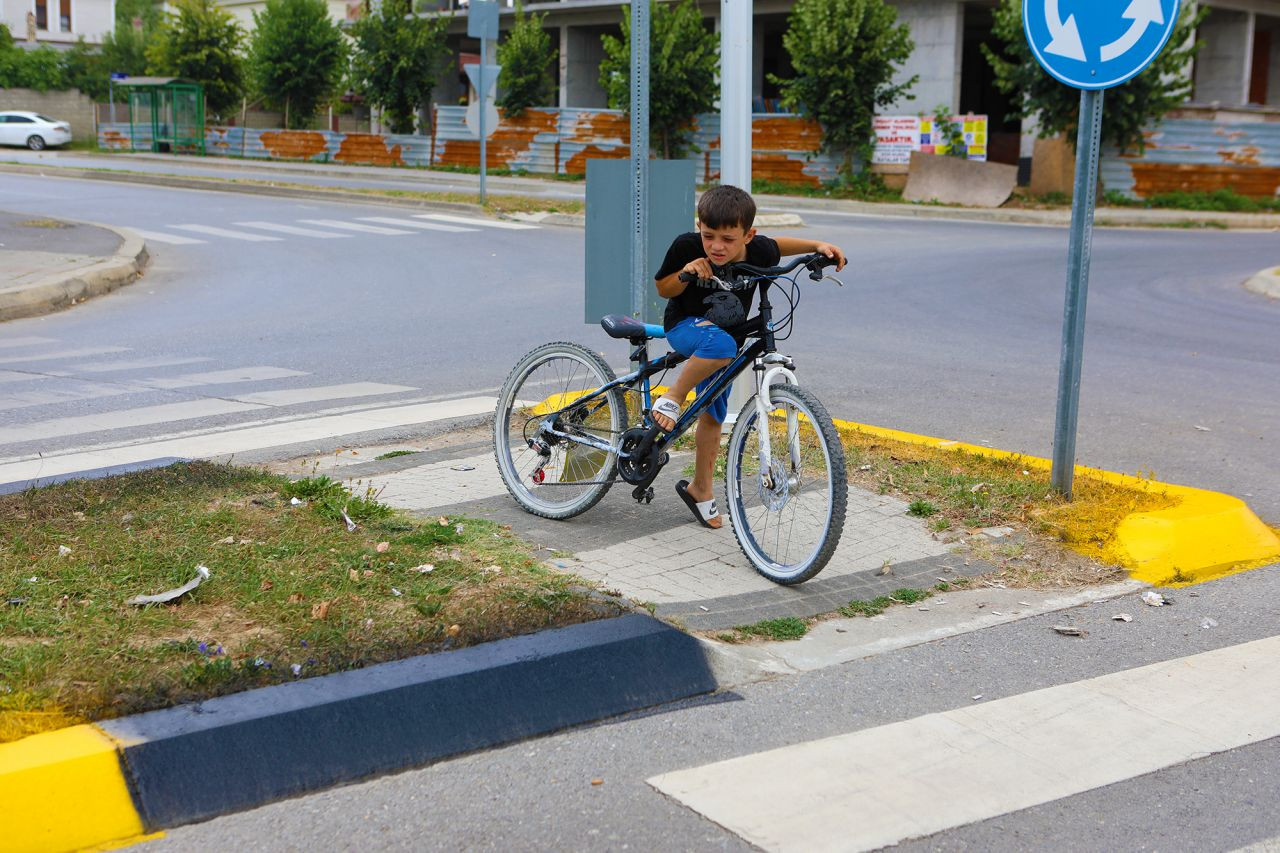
x=940 y=524
x=874 y=607
x=394 y=454
x=910 y=596
x=921 y=508
x=784 y=628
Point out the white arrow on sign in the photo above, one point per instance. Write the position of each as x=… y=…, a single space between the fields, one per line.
x=1143 y=13
x=1064 y=37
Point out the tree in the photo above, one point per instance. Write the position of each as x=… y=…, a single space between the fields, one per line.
x=201 y=42
x=40 y=69
x=525 y=56
x=1128 y=108
x=84 y=69
x=398 y=60
x=684 y=58
x=124 y=48
x=296 y=57
x=846 y=54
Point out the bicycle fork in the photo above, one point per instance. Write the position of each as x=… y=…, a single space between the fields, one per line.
x=769 y=368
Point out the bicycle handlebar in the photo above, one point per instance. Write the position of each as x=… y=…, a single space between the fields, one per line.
x=815 y=262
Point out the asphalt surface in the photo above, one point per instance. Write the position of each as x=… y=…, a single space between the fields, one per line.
x=946 y=328
x=538 y=795
x=25 y=233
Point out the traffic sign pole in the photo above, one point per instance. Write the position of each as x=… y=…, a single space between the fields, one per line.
x=483 y=94
x=640 y=283
x=1088 y=139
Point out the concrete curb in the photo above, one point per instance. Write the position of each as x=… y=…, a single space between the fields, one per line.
x=1266 y=282
x=1114 y=217
x=218 y=185
x=1206 y=535
x=66 y=289
x=194 y=762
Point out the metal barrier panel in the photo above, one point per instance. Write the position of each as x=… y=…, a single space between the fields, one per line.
x=1200 y=155
x=609 y=231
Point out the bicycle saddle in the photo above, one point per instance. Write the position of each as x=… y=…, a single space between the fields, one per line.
x=622 y=326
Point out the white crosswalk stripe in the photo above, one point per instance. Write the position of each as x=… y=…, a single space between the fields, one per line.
x=28 y=341
x=295 y=396
x=292 y=229
x=878 y=786
x=53 y=356
x=171 y=239
x=222 y=377
x=133 y=364
x=228 y=233
x=413 y=223
x=485 y=223
x=354 y=226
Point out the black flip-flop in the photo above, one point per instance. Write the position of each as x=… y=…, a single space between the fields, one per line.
x=696 y=507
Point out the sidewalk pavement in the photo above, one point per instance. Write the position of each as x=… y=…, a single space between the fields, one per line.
x=99 y=166
x=655 y=554
x=47 y=264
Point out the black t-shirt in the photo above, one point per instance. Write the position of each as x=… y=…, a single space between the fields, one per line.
x=724 y=308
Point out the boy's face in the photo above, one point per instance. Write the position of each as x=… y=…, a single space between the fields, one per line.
x=725 y=245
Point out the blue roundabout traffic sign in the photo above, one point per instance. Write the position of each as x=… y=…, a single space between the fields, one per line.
x=1096 y=44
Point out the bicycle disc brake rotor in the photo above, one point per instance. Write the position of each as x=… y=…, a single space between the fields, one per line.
x=777 y=491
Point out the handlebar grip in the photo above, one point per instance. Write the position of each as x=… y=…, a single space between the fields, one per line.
x=688 y=277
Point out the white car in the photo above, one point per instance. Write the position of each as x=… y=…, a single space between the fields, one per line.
x=18 y=127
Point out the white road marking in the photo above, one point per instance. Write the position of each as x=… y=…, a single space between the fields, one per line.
x=222 y=377
x=354 y=226
x=294 y=396
x=69 y=353
x=161 y=237
x=28 y=341
x=135 y=364
x=411 y=223
x=122 y=419
x=16 y=376
x=291 y=229
x=208 y=445
x=79 y=390
x=879 y=786
x=228 y=233
x=487 y=223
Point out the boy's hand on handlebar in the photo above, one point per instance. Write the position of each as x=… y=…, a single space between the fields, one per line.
x=833 y=252
x=699 y=268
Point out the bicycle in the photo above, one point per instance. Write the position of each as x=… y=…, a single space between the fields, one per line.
x=566 y=429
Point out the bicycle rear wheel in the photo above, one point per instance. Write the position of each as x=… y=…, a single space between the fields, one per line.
x=548 y=382
x=787 y=522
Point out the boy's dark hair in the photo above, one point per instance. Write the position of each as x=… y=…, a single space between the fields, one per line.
x=726 y=207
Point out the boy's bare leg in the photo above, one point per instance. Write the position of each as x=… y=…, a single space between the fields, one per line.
x=695 y=370
x=704 y=462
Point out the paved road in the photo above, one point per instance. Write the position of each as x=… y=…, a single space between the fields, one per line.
x=539 y=795
x=947 y=328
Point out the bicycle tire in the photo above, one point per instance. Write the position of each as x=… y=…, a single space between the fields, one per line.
x=752 y=506
x=517 y=463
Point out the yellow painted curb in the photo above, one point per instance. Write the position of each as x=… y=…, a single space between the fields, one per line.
x=1205 y=535
x=64 y=790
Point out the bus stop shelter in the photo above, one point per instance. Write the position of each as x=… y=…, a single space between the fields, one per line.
x=170 y=108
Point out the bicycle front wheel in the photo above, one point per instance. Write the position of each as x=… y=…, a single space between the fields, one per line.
x=787 y=510
x=548 y=476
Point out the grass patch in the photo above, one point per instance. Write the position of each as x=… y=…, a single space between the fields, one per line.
x=394 y=454
x=971 y=491
x=1218 y=201
x=870 y=188
x=291 y=594
x=881 y=603
x=921 y=509
x=784 y=628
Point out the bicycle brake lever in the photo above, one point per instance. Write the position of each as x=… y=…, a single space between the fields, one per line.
x=833 y=278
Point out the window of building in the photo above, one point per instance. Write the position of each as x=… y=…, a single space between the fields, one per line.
x=42 y=14
x=64 y=15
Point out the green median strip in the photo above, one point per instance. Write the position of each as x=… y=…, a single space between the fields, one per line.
x=290 y=591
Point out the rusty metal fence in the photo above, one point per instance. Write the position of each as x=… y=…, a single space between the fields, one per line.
x=543 y=141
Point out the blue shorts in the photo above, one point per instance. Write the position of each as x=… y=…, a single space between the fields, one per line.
x=698 y=336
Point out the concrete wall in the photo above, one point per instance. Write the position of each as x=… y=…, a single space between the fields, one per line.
x=937 y=26
x=69 y=106
x=89 y=18
x=580 y=57
x=1221 y=72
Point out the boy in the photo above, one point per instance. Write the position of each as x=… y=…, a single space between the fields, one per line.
x=696 y=319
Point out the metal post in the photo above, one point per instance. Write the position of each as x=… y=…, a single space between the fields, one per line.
x=735 y=132
x=480 y=95
x=640 y=283
x=111 y=99
x=1086 y=192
